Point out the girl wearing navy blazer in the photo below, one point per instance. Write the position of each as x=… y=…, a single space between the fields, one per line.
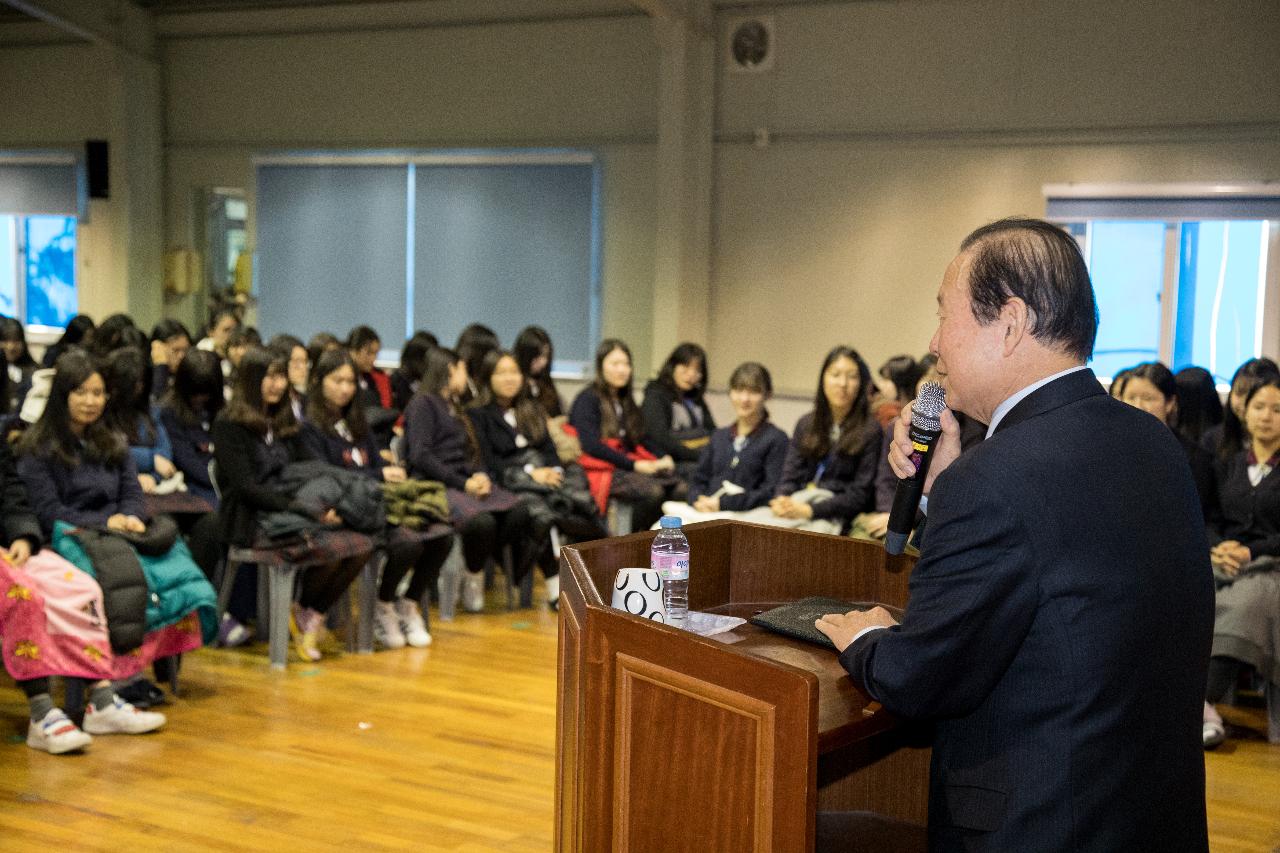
x=128 y=412
x=336 y=431
x=677 y=422
x=611 y=430
x=439 y=444
x=512 y=432
x=1245 y=538
x=829 y=474
x=741 y=466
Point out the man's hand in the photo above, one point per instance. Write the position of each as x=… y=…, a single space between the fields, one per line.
x=944 y=452
x=841 y=628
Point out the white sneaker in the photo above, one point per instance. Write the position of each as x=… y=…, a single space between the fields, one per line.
x=473 y=592
x=121 y=718
x=386 y=626
x=415 y=630
x=56 y=734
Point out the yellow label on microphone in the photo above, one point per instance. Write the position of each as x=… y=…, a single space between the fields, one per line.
x=918 y=447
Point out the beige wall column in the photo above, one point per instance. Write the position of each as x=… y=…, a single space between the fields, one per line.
x=685 y=165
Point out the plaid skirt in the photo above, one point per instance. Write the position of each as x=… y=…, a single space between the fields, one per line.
x=464 y=507
x=312 y=548
x=178 y=503
x=403 y=535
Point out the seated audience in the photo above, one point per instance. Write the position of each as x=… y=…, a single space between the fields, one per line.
x=535 y=355
x=611 y=431
x=1245 y=554
x=440 y=445
x=221 y=324
x=186 y=414
x=515 y=443
x=1152 y=388
x=52 y=621
x=82 y=483
x=170 y=341
x=319 y=344
x=79 y=329
x=740 y=468
x=677 y=422
x=20 y=364
x=1230 y=437
x=255 y=439
x=896 y=386
x=128 y=412
x=406 y=377
x=239 y=341
x=335 y=431
x=830 y=470
x=299 y=362
x=474 y=343
x=373 y=392
x=1199 y=407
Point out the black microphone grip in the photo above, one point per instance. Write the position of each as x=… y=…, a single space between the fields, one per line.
x=906 y=500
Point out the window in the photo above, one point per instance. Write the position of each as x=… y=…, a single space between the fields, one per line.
x=1180 y=278
x=432 y=241
x=38 y=269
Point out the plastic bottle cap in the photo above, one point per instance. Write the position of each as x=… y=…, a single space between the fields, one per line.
x=669 y=521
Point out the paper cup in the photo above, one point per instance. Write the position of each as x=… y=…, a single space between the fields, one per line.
x=639 y=592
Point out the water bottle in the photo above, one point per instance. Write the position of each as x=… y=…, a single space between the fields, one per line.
x=670 y=556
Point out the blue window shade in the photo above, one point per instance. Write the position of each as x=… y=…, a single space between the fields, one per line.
x=1126 y=263
x=507 y=246
x=331 y=250
x=35 y=187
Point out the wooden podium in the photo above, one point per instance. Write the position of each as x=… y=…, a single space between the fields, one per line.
x=667 y=741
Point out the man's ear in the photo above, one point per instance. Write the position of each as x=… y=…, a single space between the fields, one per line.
x=1015 y=319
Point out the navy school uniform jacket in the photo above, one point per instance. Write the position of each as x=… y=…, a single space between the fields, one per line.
x=1058 y=634
x=757 y=467
x=192 y=449
x=362 y=456
x=498 y=443
x=85 y=495
x=435 y=443
x=1247 y=513
x=584 y=416
x=851 y=479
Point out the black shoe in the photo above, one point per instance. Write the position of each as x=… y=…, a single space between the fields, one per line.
x=142 y=694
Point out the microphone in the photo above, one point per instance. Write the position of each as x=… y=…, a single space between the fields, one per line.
x=926 y=426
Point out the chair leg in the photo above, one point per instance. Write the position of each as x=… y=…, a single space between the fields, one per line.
x=229 y=571
x=280 y=597
x=367 y=599
x=1273 y=712
x=508 y=576
x=450 y=583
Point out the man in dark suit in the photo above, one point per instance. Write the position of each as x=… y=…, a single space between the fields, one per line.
x=1061 y=612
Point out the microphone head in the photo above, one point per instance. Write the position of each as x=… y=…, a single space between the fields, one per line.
x=926 y=411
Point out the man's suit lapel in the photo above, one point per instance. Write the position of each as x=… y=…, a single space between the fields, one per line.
x=1067 y=389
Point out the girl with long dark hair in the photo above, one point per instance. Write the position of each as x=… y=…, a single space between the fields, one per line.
x=439 y=444
x=413 y=360
x=1199 y=407
x=1245 y=554
x=534 y=355
x=128 y=412
x=336 y=431
x=829 y=474
x=611 y=430
x=76 y=334
x=1232 y=436
x=187 y=413
x=254 y=439
x=515 y=442
x=79 y=474
x=1152 y=387
x=20 y=364
x=677 y=421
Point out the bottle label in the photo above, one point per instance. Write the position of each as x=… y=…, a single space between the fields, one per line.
x=671 y=566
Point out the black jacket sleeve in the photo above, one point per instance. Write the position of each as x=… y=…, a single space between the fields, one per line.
x=658 y=435
x=421 y=425
x=584 y=416
x=235 y=450
x=15 y=511
x=856 y=494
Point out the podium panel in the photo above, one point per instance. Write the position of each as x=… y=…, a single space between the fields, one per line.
x=667 y=741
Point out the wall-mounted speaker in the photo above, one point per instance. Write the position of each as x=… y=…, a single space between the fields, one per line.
x=95 y=159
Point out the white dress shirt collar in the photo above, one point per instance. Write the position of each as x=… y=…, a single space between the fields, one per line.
x=1007 y=406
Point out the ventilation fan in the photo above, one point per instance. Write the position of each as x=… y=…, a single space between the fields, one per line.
x=751 y=46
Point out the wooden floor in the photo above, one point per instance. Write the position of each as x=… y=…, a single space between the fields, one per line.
x=449 y=748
